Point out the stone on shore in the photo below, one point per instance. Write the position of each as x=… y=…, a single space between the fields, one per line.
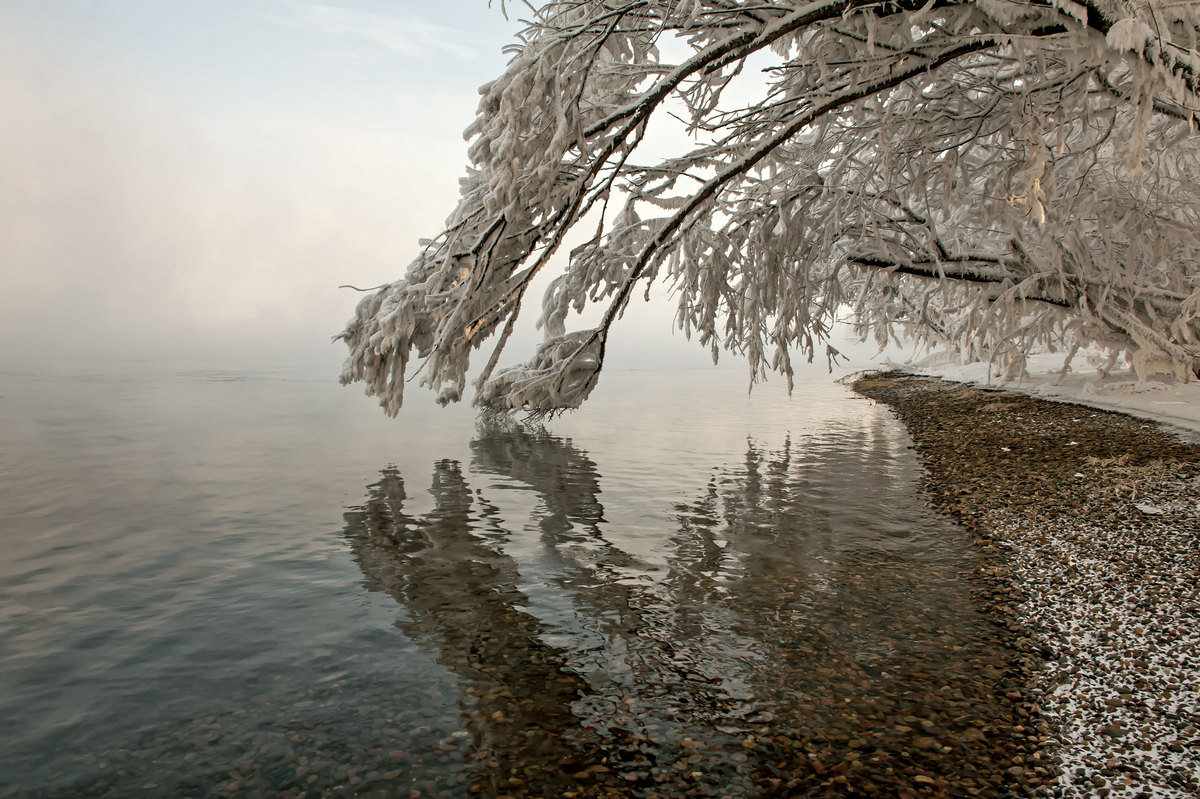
x=1091 y=520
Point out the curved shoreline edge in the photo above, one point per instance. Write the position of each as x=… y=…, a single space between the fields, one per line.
x=1088 y=522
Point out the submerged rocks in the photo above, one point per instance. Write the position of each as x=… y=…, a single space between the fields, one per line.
x=1090 y=524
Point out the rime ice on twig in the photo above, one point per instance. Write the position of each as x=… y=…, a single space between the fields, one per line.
x=560 y=376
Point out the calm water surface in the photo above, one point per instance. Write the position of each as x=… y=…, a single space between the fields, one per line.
x=238 y=584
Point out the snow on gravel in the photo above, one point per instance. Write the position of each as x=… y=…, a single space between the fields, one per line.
x=1117 y=609
x=1116 y=603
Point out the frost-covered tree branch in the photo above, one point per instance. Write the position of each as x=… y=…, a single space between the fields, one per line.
x=983 y=175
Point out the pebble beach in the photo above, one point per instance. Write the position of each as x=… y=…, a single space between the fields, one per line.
x=1089 y=524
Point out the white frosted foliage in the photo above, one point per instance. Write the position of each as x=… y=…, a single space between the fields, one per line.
x=1129 y=34
x=991 y=177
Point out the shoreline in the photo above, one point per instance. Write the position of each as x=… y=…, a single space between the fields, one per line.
x=1088 y=522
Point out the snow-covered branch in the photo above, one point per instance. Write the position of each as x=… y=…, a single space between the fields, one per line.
x=985 y=175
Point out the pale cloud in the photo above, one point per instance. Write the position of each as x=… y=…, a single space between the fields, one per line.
x=411 y=37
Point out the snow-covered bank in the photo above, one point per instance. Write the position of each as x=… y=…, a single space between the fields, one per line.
x=1162 y=399
x=1117 y=604
x=1096 y=517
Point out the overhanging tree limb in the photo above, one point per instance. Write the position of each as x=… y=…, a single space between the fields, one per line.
x=1047 y=139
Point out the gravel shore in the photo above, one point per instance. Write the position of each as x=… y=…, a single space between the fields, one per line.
x=1089 y=522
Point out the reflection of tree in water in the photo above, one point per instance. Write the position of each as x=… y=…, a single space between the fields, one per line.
x=868 y=663
x=614 y=642
x=448 y=570
x=564 y=478
x=800 y=638
x=588 y=571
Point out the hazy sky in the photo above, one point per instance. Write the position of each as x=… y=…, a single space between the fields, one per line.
x=193 y=179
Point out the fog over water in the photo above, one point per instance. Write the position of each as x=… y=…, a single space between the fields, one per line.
x=184 y=188
x=184 y=184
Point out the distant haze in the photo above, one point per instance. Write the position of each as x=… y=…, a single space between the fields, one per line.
x=187 y=183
